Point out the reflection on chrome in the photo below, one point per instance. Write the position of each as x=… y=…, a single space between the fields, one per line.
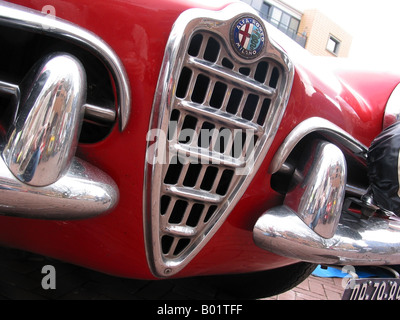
x=374 y=241
x=43 y=139
x=318 y=198
x=83 y=192
x=39 y=175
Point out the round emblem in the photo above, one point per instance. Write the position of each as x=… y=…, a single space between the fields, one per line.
x=248 y=37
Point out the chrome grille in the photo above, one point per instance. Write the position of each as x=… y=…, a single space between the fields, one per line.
x=220 y=113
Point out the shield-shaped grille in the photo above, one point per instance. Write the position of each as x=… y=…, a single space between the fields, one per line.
x=215 y=114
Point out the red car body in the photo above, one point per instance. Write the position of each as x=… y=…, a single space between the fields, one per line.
x=114 y=243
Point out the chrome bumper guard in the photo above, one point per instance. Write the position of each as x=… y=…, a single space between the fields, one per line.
x=83 y=192
x=356 y=242
x=310 y=226
x=39 y=175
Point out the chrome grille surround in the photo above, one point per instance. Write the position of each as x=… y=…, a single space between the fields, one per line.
x=16 y=16
x=205 y=85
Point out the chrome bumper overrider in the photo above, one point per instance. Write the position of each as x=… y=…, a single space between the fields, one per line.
x=318 y=198
x=40 y=177
x=312 y=226
x=356 y=242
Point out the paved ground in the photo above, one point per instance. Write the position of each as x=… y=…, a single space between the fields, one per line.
x=314 y=288
x=21 y=279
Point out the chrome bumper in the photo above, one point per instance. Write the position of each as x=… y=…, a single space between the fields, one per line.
x=42 y=117
x=40 y=177
x=356 y=242
x=310 y=225
x=83 y=192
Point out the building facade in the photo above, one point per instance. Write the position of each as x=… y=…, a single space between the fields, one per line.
x=324 y=37
x=282 y=16
x=311 y=29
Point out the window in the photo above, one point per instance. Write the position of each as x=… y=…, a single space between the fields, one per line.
x=265 y=7
x=280 y=19
x=284 y=23
x=333 y=45
x=293 y=27
x=276 y=17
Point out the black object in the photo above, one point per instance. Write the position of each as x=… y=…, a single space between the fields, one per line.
x=383 y=168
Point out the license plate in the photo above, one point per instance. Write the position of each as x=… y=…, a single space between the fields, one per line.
x=372 y=289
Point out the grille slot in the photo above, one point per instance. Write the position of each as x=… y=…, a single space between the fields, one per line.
x=221 y=113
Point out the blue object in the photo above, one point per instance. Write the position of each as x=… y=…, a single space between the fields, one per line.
x=362 y=272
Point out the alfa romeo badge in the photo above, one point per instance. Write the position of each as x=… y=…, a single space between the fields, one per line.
x=248 y=37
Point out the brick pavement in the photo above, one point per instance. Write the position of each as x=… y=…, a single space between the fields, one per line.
x=20 y=279
x=314 y=288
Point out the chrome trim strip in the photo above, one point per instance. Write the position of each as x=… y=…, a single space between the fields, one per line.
x=195 y=195
x=216 y=24
x=392 y=110
x=207 y=156
x=372 y=241
x=99 y=113
x=229 y=76
x=218 y=116
x=181 y=231
x=9 y=88
x=355 y=190
x=308 y=126
x=93 y=112
x=15 y=15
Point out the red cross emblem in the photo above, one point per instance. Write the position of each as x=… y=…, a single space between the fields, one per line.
x=248 y=37
x=245 y=34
